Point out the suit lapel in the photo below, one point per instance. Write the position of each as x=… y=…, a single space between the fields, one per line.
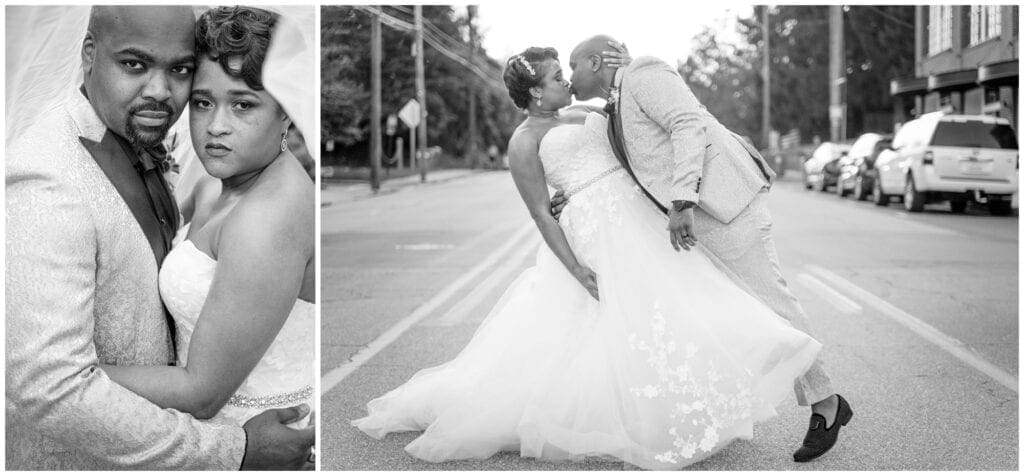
x=618 y=141
x=117 y=166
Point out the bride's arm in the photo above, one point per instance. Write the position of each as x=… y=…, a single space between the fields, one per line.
x=528 y=174
x=264 y=247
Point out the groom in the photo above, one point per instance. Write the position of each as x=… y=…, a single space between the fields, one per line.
x=89 y=220
x=710 y=183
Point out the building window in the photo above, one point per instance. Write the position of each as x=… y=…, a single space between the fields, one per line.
x=986 y=23
x=940 y=28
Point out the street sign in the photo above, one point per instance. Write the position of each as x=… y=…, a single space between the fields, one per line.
x=410 y=113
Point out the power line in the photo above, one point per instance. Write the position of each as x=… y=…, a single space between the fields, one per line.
x=889 y=16
x=434 y=41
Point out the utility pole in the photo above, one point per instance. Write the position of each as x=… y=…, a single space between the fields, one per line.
x=421 y=94
x=375 y=139
x=837 y=73
x=471 y=148
x=766 y=103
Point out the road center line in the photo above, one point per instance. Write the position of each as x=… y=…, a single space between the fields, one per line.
x=464 y=306
x=842 y=303
x=333 y=377
x=949 y=344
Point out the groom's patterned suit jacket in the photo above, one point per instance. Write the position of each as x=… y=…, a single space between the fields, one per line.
x=82 y=290
x=678 y=150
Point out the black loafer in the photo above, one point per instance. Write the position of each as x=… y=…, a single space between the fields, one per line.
x=820 y=439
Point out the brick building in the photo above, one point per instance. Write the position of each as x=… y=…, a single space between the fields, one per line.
x=966 y=61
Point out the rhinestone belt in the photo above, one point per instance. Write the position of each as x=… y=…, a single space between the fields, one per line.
x=271 y=401
x=580 y=187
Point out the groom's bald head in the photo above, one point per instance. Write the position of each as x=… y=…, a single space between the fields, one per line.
x=138 y=63
x=592 y=46
x=171 y=22
x=591 y=77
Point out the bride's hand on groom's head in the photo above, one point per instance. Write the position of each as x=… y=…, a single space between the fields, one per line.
x=619 y=58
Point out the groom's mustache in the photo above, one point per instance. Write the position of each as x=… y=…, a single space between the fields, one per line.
x=152 y=107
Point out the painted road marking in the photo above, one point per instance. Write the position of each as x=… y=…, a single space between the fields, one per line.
x=949 y=344
x=842 y=303
x=461 y=310
x=333 y=377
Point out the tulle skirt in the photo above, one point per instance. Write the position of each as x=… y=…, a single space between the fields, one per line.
x=673 y=363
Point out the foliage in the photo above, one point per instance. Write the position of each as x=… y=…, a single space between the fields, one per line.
x=345 y=71
x=726 y=75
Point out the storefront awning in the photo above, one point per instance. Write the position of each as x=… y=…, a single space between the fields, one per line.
x=963 y=79
x=1003 y=71
x=908 y=86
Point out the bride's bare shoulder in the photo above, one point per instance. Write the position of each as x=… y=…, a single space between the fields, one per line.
x=281 y=205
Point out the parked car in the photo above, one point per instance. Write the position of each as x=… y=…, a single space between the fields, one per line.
x=857 y=169
x=822 y=169
x=958 y=158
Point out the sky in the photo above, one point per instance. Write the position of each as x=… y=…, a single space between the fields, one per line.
x=649 y=28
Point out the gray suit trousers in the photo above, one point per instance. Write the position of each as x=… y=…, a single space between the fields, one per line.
x=746 y=249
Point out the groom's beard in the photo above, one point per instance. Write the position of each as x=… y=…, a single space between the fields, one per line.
x=148 y=136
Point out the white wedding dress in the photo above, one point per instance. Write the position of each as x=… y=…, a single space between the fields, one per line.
x=673 y=363
x=284 y=377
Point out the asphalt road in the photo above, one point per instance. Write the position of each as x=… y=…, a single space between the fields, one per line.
x=918 y=314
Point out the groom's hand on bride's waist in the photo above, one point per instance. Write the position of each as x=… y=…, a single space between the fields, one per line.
x=272 y=445
x=558 y=202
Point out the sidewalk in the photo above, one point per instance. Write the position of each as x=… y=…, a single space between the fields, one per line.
x=341 y=192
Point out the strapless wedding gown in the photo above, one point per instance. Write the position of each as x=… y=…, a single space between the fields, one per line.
x=284 y=377
x=672 y=364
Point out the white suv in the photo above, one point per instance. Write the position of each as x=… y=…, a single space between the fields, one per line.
x=958 y=158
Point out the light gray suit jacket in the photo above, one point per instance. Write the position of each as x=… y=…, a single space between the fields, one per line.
x=678 y=150
x=82 y=290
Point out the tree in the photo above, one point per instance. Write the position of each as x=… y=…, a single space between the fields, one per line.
x=345 y=71
x=725 y=76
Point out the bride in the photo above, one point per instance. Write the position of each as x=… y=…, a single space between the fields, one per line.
x=239 y=282
x=614 y=345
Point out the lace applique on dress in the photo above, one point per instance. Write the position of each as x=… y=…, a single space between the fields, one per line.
x=705 y=399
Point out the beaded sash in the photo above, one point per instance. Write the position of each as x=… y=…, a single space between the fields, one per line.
x=271 y=401
x=579 y=188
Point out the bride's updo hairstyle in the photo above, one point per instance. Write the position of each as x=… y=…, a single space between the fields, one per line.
x=524 y=71
x=226 y=33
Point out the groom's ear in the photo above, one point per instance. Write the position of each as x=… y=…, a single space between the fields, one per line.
x=595 y=62
x=88 y=52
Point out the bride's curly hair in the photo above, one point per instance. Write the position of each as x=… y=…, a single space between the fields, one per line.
x=226 y=32
x=523 y=71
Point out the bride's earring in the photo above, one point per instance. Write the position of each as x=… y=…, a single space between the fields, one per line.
x=539 y=102
x=284 y=143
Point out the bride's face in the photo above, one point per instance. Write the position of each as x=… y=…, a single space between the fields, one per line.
x=553 y=88
x=235 y=129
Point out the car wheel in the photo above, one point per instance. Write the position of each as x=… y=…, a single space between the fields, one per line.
x=878 y=197
x=840 y=190
x=913 y=201
x=858 y=189
x=958 y=206
x=999 y=207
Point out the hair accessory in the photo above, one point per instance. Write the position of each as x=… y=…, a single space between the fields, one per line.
x=526 y=64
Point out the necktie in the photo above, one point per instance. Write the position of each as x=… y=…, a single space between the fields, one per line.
x=151 y=168
x=619 y=148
